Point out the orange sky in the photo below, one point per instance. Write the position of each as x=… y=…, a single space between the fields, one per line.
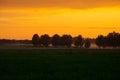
x=20 y=19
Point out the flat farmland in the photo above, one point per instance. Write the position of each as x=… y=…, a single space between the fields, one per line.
x=59 y=64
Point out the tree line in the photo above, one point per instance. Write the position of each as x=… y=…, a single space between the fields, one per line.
x=57 y=41
x=110 y=40
x=13 y=41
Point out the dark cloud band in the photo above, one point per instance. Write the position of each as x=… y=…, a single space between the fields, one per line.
x=58 y=3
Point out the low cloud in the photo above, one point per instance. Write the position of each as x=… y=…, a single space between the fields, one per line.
x=111 y=28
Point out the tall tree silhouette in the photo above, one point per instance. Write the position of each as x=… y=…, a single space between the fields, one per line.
x=45 y=40
x=111 y=40
x=55 y=40
x=100 y=41
x=66 y=40
x=78 y=41
x=35 y=40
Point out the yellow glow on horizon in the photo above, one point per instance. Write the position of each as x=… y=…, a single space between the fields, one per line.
x=23 y=23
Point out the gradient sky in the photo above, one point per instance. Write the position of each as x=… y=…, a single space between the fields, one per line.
x=20 y=19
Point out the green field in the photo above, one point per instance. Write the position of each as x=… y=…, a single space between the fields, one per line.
x=59 y=64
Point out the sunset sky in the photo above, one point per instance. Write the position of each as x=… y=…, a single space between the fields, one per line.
x=20 y=19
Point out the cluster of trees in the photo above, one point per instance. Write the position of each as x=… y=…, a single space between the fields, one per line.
x=111 y=40
x=56 y=41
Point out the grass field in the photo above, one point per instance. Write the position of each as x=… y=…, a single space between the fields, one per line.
x=59 y=64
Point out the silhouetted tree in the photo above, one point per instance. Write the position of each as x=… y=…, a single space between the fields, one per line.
x=66 y=40
x=100 y=41
x=35 y=40
x=45 y=40
x=113 y=39
x=55 y=40
x=87 y=43
x=78 y=41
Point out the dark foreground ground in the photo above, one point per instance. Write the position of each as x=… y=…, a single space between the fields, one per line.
x=59 y=64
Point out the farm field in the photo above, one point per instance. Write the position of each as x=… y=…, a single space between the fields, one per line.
x=59 y=64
